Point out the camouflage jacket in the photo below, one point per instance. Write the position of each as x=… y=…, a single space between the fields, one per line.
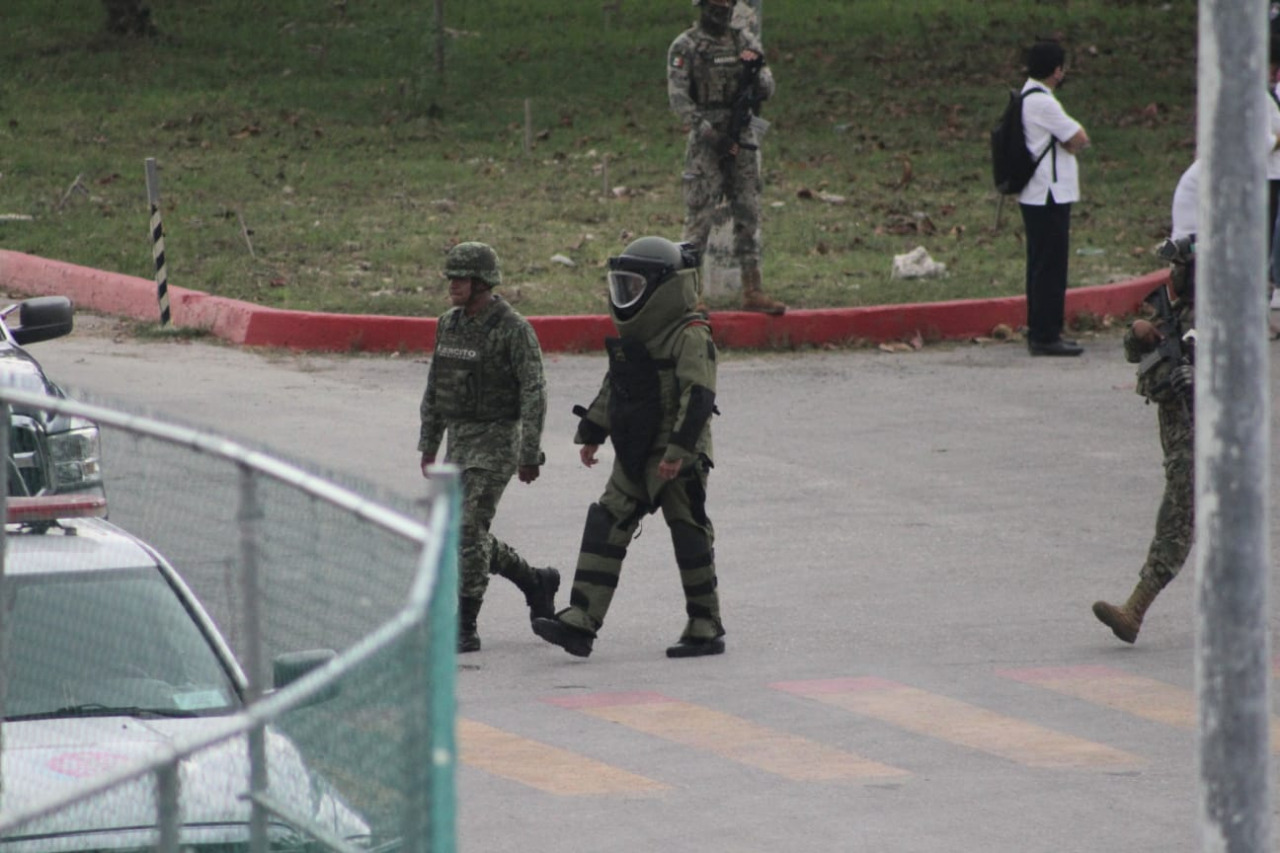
x=702 y=76
x=502 y=390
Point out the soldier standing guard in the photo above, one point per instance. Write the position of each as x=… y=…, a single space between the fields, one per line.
x=486 y=388
x=655 y=406
x=1166 y=377
x=705 y=73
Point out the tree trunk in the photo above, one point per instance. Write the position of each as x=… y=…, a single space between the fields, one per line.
x=128 y=18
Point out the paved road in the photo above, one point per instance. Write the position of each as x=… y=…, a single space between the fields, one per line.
x=908 y=548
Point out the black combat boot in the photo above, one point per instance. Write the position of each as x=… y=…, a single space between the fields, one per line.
x=468 y=636
x=695 y=647
x=540 y=595
x=690 y=645
x=573 y=640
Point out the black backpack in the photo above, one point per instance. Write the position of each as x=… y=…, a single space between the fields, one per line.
x=1011 y=163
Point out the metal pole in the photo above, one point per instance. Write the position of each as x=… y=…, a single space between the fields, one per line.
x=157 y=240
x=1232 y=416
x=446 y=485
x=249 y=520
x=6 y=419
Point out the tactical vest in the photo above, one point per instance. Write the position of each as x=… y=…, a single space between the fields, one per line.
x=713 y=79
x=472 y=382
x=635 y=402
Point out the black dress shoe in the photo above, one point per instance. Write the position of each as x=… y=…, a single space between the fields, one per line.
x=573 y=640
x=1058 y=347
x=689 y=647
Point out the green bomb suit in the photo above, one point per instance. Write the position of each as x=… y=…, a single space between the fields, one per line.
x=678 y=342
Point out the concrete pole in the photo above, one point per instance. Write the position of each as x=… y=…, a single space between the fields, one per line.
x=1233 y=407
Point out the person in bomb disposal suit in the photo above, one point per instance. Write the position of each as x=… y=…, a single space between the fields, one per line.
x=485 y=388
x=705 y=74
x=655 y=406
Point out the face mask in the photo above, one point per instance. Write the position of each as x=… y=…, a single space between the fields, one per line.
x=715 y=19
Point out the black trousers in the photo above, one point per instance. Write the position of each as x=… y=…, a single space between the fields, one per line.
x=1048 y=233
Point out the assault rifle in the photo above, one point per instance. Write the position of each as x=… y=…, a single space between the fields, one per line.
x=745 y=108
x=1174 y=349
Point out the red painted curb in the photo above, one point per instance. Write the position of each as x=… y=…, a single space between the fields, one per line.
x=252 y=325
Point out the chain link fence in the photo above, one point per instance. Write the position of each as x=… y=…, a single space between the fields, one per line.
x=326 y=720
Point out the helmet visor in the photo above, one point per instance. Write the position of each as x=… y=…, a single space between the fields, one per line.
x=626 y=288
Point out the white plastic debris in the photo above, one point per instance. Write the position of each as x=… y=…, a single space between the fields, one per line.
x=563 y=260
x=917 y=264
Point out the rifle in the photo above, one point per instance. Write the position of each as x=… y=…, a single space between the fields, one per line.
x=745 y=108
x=1171 y=349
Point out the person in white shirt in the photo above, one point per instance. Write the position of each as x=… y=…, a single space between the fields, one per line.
x=1047 y=198
x=1186 y=203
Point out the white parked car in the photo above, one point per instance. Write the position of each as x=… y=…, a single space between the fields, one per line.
x=112 y=661
x=48 y=453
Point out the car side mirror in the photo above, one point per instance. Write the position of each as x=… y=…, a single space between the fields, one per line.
x=43 y=318
x=291 y=666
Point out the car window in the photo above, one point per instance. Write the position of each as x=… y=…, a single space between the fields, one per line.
x=91 y=642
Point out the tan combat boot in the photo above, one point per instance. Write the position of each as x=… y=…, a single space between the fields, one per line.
x=1125 y=621
x=753 y=296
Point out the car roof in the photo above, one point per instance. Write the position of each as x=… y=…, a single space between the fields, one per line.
x=96 y=545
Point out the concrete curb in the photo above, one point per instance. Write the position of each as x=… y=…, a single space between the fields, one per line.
x=251 y=325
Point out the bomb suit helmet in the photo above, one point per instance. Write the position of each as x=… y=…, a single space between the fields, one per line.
x=653 y=282
x=474 y=261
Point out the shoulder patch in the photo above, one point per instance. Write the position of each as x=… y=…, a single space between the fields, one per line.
x=677 y=61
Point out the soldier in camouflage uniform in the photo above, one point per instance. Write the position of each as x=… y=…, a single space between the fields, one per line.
x=704 y=66
x=1166 y=378
x=655 y=406
x=485 y=388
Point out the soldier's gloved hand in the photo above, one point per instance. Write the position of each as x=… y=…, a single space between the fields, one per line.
x=1183 y=379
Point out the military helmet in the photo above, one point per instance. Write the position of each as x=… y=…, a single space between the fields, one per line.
x=645 y=265
x=474 y=260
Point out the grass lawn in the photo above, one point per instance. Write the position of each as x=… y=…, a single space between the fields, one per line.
x=313 y=157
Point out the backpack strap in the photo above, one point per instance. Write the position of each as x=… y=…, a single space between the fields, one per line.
x=1053 y=141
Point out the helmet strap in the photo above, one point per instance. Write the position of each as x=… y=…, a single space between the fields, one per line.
x=481 y=295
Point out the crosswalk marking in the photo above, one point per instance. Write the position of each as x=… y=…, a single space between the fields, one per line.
x=1138 y=695
x=541 y=766
x=730 y=737
x=959 y=722
x=1134 y=694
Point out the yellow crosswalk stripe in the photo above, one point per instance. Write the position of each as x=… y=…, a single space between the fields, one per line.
x=958 y=722
x=1112 y=688
x=730 y=737
x=1134 y=694
x=541 y=766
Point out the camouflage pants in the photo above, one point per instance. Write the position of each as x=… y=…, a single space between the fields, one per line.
x=707 y=180
x=1175 y=522
x=611 y=525
x=480 y=553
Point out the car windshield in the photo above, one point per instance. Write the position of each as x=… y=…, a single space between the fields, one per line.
x=109 y=643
